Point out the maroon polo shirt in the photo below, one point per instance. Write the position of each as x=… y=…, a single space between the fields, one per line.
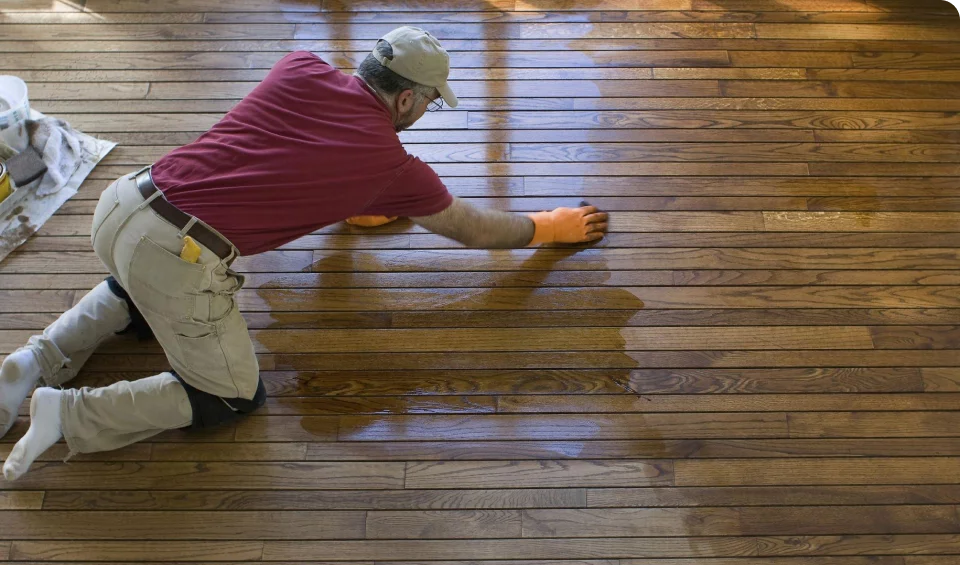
x=309 y=147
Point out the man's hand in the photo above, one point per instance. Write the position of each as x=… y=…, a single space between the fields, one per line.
x=569 y=225
x=369 y=221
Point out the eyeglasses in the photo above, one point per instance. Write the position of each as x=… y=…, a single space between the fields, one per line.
x=435 y=105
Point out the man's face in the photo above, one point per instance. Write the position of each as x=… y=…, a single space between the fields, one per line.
x=410 y=109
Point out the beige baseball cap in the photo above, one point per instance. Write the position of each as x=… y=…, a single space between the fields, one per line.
x=418 y=56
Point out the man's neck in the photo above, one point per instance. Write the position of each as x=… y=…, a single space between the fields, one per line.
x=381 y=97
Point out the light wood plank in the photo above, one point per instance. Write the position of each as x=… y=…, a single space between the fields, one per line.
x=520 y=474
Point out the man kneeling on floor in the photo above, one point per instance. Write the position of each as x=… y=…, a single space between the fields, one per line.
x=310 y=146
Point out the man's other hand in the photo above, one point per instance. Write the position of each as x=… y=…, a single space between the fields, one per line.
x=369 y=221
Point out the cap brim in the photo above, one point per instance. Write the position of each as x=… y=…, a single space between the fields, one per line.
x=448 y=96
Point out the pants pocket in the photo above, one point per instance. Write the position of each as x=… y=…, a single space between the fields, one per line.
x=162 y=283
x=214 y=356
x=203 y=356
x=217 y=301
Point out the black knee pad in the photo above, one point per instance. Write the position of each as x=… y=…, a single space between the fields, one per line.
x=210 y=410
x=138 y=325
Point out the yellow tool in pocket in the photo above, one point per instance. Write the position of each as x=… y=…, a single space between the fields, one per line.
x=191 y=251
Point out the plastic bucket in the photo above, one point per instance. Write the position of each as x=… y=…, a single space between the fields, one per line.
x=14 y=111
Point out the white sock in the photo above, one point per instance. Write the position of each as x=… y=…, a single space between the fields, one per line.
x=43 y=433
x=19 y=373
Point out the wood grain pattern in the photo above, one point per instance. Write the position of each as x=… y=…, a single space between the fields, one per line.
x=759 y=364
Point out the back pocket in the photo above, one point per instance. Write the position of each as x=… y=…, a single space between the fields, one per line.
x=163 y=283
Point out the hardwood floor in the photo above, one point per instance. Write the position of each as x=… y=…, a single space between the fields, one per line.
x=759 y=366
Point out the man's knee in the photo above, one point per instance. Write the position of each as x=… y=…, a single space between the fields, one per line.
x=210 y=410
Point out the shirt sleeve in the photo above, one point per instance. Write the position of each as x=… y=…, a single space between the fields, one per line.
x=417 y=191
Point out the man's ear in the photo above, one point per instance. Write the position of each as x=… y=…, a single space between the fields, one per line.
x=405 y=101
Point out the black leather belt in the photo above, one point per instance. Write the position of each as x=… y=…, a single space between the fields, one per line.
x=175 y=216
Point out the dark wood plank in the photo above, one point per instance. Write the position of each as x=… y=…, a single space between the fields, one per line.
x=544 y=259
x=873 y=424
x=920 y=337
x=808 y=413
x=541 y=427
x=392 y=405
x=604 y=522
x=599 y=381
x=409 y=499
x=586 y=548
x=157 y=526
x=945 y=379
x=80 y=32
x=876 y=471
x=657 y=297
x=141 y=365
x=620 y=449
x=860 y=545
x=136 y=550
x=771 y=496
x=441 y=524
x=581 y=339
x=539 y=339
x=755 y=316
x=215 y=476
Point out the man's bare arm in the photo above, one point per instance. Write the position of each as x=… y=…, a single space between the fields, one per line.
x=480 y=228
x=491 y=229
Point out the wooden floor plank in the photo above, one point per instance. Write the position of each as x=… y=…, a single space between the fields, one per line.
x=598 y=259
x=814 y=423
x=877 y=471
x=637 y=152
x=771 y=496
x=236 y=475
x=155 y=526
x=544 y=427
x=142 y=364
x=314 y=500
x=586 y=548
x=703 y=521
x=520 y=474
x=136 y=550
x=468 y=524
x=866 y=49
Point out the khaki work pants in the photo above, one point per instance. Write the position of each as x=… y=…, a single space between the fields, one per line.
x=189 y=306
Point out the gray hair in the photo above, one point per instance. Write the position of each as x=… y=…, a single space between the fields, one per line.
x=386 y=81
